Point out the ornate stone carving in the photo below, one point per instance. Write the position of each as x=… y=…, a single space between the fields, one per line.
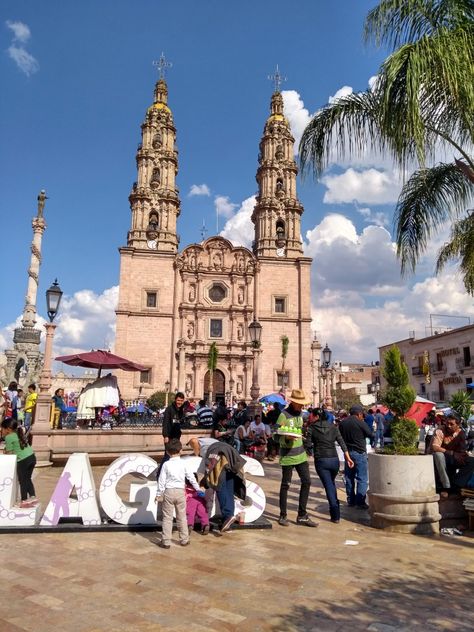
x=192 y=292
x=190 y=330
x=240 y=332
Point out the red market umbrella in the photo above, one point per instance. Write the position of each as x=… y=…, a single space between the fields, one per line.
x=420 y=408
x=100 y=360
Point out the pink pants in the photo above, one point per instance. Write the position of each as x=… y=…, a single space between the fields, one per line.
x=196 y=509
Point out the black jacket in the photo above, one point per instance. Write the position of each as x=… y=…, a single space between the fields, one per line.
x=323 y=436
x=173 y=417
x=355 y=431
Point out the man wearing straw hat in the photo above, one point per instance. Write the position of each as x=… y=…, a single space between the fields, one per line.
x=293 y=456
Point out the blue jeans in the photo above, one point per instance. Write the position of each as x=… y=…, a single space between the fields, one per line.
x=225 y=494
x=357 y=479
x=379 y=437
x=327 y=469
x=27 y=422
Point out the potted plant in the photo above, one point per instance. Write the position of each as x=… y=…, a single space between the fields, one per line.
x=402 y=495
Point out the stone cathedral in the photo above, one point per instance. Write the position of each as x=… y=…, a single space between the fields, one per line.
x=173 y=304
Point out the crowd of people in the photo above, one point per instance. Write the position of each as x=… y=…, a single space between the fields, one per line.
x=314 y=432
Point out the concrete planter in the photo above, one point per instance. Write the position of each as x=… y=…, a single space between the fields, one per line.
x=402 y=495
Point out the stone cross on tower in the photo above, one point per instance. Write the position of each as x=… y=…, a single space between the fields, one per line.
x=162 y=65
x=277 y=79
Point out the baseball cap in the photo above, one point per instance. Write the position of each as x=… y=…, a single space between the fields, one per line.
x=356 y=409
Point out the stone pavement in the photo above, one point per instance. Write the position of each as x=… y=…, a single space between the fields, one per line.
x=284 y=579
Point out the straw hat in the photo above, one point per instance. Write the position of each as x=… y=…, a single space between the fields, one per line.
x=298 y=397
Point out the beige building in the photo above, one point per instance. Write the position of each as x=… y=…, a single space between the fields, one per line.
x=174 y=304
x=439 y=365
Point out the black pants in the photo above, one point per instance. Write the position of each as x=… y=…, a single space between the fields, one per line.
x=302 y=470
x=25 y=469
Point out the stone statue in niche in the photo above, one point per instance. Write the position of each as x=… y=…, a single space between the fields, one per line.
x=155 y=178
x=190 y=330
x=217 y=260
x=192 y=261
x=240 y=332
x=188 y=386
x=241 y=263
x=192 y=293
x=240 y=295
x=157 y=140
x=240 y=385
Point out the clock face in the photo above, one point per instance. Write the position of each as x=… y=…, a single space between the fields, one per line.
x=152 y=244
x=280 y=252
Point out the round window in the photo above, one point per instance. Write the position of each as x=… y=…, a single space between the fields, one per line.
x=217 y=293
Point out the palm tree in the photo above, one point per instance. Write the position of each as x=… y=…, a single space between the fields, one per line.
x=212 y=365
x=422 y=99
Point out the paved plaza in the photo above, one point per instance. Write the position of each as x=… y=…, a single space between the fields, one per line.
x=283 y=579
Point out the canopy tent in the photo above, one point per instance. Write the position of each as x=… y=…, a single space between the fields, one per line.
x=100 y=360
x=420 y=408
x=273 y=398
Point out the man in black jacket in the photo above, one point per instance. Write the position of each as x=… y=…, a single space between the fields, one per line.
x=173 y=417
x=355 y=431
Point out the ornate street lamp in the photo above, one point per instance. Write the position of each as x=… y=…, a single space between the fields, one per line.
x=167 y=392
x=327 y=353
x=41 y=429
x=53 y=300
x=255 y=334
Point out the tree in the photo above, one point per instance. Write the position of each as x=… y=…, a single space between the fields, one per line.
x=461 y=402
x=399 y=397
x=422 y=99
x=156 y=401
x=212 y=365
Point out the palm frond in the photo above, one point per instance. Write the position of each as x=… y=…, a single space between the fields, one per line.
x=427 y=201
x=397 y=22
x=350 y=125
x=460 y=248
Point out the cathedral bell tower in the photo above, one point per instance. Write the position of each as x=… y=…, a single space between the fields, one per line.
x=154 y=199
x=277 y=213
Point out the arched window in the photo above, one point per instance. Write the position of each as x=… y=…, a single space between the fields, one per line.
x=157 y=140
x=279 y=185
x=155 y=178
x=280 y=229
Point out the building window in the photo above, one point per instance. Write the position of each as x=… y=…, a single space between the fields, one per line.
x=145 y=377
x=151 y=299
x=215 y=328
x=280 y=305
x=467 y=356
x=217 y=293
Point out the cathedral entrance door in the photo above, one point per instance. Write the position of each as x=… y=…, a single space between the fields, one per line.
x=218 y=389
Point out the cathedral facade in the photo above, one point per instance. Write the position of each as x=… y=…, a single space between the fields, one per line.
x=174 y=304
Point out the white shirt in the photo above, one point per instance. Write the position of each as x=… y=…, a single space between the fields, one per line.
x=174 y=474
x=259 y=429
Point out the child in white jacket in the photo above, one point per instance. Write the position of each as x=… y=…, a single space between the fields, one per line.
x=171 y=491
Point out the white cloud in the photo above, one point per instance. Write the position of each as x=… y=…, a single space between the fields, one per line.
x=239 y=229
x=199 y=189
x=17 y=51
x=224 y=206
x=369 y=186
x=346 y=261
x=342 y=92
x=298 y=116
x=359 y=299
x=21 y=32
x=25 y=62
x=86 y=321
x=378 y=218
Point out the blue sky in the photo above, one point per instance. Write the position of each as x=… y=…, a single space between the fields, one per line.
x=77 y=78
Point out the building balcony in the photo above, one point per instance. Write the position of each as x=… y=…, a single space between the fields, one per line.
x=438 y=369
x=417 y=370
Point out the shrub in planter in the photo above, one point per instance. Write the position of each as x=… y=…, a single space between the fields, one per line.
x=402 y=495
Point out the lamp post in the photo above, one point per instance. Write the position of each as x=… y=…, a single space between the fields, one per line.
x=255 y=334
x=167 y=391
x=41 y=429
x=327 y=353
x=315 y=370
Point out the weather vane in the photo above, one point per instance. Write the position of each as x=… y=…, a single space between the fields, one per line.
x=162 y=65
x=277 y=79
